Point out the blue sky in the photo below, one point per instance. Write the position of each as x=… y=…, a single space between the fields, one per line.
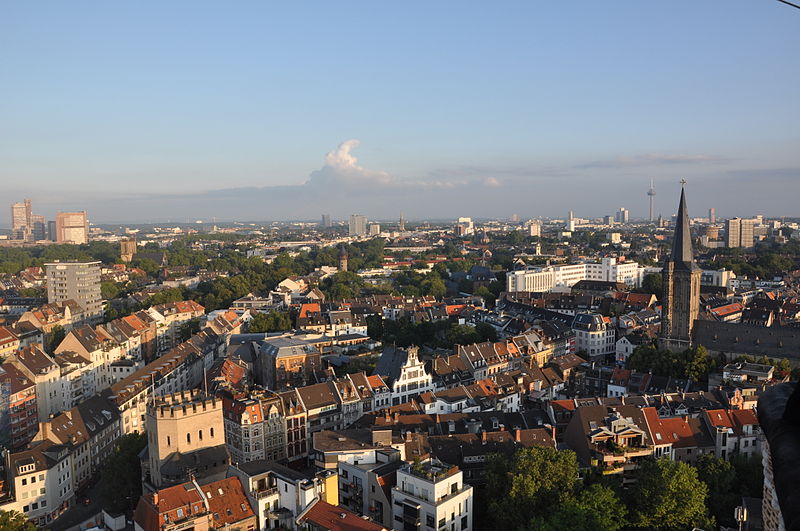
x=155 y=110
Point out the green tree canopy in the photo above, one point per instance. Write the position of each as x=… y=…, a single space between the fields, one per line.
x=529 y=484
x=15 y=521
x=273 y=321
x=667 y=495
x=121 y=476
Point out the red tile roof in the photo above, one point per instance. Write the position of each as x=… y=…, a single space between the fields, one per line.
x=334 y=518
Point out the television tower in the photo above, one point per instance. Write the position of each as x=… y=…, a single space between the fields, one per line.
x=651 y=193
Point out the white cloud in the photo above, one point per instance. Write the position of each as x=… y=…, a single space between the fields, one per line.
x=341 y=168
x=491 y=182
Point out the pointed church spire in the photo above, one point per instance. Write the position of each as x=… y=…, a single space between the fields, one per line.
x=682 y=242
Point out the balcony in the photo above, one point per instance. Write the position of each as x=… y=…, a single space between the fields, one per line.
x=264 y=493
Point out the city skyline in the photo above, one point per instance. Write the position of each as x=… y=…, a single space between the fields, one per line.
x=211 y=112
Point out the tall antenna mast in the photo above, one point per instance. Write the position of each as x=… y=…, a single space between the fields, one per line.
x=652 y=194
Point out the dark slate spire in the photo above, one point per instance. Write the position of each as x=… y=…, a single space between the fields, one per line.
x=682 y=242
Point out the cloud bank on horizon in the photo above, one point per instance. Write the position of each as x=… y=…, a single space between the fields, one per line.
x=343 y=186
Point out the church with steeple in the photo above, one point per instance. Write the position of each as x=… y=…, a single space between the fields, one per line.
x=681 y=281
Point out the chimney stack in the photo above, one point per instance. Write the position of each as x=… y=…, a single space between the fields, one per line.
x=518 y=435
x=484 y=438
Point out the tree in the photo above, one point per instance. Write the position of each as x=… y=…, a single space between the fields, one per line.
x=121 y=476
x=459 y=334
x=653 y=283
x=668 y=495
x=273 y=321
x=375 y=326
x=597 y=508
x=529 y=484
x=189 y=328
x=486 y=332
x=54 y=338
x=720 y=477
x=15 y=521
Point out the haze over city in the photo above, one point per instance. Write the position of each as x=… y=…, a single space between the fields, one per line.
x=268 y=112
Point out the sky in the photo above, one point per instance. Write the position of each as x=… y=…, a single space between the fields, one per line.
x=252 y=110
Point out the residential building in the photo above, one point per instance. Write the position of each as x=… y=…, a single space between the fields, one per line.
x=280 y=494
x=357 y=226
x=358 y=446
x=734 y=431
x=9 y=342
x=19 y=417
x=612 y=438
x=404 y=373
x=90 y=431
x=39 y=481
x=285 y=362
x=432 y=494
x=594 y=335
x=740 y=232
x=220 y=504
x=45 y=374
x=79 y=282
x=323 y=516
x=255 y=428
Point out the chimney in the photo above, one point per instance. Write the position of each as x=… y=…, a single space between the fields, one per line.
x=155 y=498
x=397 y=416
x=686 y=418
x=483 y=436
x=518 y=435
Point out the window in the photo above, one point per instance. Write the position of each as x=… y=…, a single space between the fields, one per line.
x=189 y=438
x=212 y=432
x=429 y=521
x=169 y=441
x=464 y=523
x=24 y=481
x=200 y=434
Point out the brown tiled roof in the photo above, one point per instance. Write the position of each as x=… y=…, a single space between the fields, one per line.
x=336 y=518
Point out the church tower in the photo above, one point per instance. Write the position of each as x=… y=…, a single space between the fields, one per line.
x=681 y=280
x=342 y=258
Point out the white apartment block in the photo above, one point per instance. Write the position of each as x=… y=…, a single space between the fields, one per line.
x=540 y=279
x=431 y=495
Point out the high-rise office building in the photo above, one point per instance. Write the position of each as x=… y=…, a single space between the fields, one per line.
x=38 y=228
x=78 y=281
x=712 y=215
x=534 y=228
x=326 y=220
x=358 y=225
x=740 y=232
x=402 y=226
x=21 y=213
x=51 y=231
x=374 y=229
x=72 y=227
x=622 y=215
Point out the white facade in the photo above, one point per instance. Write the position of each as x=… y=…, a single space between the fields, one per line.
x=546 y=278
x=432 y=495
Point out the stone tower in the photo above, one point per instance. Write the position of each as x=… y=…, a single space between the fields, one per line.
x=681 y=279
x=342 y=258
